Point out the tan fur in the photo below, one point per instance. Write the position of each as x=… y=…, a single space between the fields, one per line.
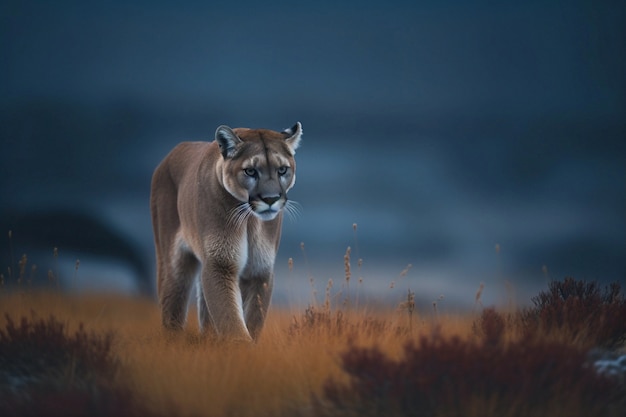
x=217 y=210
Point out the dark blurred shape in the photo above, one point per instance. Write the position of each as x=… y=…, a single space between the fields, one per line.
x=67 y=230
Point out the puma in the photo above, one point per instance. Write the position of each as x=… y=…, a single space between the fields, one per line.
x=217 y=211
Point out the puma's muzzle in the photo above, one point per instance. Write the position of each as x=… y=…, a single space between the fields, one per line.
x=267 y=207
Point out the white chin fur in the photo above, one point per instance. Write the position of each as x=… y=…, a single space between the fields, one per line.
x=266 y=215
x=266 y=212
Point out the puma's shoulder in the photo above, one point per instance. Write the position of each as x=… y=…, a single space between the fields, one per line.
x=183 y=158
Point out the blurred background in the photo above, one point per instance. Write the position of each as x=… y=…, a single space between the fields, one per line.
x=478 y=142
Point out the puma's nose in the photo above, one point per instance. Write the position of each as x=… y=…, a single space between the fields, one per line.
x=270 y=200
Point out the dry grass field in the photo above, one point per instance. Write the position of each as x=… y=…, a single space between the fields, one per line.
x=107 y=355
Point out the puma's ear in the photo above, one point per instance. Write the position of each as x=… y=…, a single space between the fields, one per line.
x=293 y=134
x=227 y=139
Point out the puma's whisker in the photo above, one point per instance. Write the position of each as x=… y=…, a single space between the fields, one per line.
x=239 y=214
x=293 y=209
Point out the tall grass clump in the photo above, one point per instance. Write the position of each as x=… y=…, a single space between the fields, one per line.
x=341 y=317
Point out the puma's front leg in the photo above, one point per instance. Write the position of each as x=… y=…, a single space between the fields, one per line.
x=256 y=294
x=223 y=299
x=176 y=276
x=204 y=318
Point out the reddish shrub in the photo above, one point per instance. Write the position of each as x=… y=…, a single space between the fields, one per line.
x=46 y=371
x=589 y=315
x=490 y=327
x=38 y=347
x=450 y=377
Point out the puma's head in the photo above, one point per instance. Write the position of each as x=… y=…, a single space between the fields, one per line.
x=258 y=166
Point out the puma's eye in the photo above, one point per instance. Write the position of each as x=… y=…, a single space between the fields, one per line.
x=282 y=170
x=251 y=172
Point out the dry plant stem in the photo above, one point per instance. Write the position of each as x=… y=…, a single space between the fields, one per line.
x=76 y=265
x=22 y=265
x=33 y=273
x=55 y=254
x=479 y=293
x=309 y=276
x=11 y=257
x=402 y=274
x=410 y=307
x=359 y=264
x=358 y=293
x=356 y=239
x=348 y=273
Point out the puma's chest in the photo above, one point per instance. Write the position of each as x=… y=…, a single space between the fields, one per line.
x=257 y=253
